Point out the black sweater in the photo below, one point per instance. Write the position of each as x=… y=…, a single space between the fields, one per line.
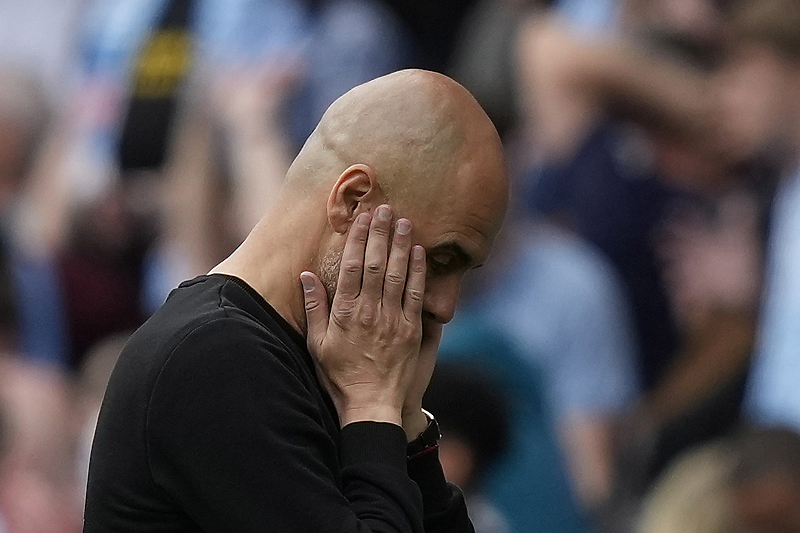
x=214 y=421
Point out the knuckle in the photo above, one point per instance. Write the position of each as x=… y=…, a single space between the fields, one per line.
x=380 y=231
x=312 y=305
x=374 y=267
x=394 y=278
x=367 y=318
x=414 y=295
x=410 y=334
x=352 y=268
x=344 y=310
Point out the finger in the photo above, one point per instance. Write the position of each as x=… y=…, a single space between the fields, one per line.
x=415 y=285
x=375 y=256
x=429 y=349
x=397 y=266
x=316 y=306
x=350 y=270
x=431 y=337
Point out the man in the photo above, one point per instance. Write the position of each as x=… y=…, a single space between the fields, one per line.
x=217 y=417
x=758 y=89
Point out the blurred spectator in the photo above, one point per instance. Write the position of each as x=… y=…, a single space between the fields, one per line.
x=529 y=484
x=90 y=388
x=692 y=495
x=100 y=270
x=711 y=259
x=595 y=171
x=483 y=58
x=353 y=41
x=748 y=483
x=561 y=306
x=473 y=417
x=624 y=133
x=766 y=481
x=759 y=90
x=36 y=477
x=30 y=318
x=40 y=36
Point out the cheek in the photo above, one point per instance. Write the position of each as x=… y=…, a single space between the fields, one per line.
x=328 y=272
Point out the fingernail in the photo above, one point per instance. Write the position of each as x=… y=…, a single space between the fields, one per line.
x=308 y=283
x=363 y=219
x=403 y=226
x=419 y=252
x=384 y=213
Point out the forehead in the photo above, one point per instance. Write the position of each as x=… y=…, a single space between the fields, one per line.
x=467 y=213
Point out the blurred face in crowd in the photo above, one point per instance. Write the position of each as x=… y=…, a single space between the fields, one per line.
x=696 y=19
x=756 y=91
x=14 y=141
x=770 y=503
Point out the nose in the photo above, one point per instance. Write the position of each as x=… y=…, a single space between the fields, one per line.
x=441 y=296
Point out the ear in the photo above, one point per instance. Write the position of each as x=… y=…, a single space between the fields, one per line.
x=356 y=191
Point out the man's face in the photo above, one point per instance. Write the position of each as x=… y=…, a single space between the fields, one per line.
x=456 y=229
x=753 y=91
x=696 y=20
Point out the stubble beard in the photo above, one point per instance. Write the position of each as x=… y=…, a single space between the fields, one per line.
x=329 y=273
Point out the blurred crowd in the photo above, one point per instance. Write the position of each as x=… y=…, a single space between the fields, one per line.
x=629 y=359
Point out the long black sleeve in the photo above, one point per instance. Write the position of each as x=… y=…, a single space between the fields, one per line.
x=445 y=510
x=214 y=421
x=237 y=438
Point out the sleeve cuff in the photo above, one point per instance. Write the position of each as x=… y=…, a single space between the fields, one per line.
x=426 y=470
x=373 y=442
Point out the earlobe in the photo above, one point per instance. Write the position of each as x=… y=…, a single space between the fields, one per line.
x=356 y=191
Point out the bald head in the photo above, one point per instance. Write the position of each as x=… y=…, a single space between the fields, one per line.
x=415 y=140
x=413 y=128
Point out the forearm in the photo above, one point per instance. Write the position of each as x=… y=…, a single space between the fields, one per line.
x=445 y=510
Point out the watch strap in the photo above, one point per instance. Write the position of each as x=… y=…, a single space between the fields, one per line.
x=427 y=440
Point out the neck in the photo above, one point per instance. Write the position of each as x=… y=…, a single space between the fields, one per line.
x=270 y=260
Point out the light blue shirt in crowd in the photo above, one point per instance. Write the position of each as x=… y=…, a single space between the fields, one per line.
x=563 y=307
x=773 y=395
x=228 y=32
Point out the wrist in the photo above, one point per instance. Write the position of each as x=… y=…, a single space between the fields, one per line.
x=414 y=422
x=371 y=413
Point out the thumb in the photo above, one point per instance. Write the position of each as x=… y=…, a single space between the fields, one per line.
x=316 y=306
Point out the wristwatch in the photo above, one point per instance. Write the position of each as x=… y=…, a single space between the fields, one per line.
x=426 y=441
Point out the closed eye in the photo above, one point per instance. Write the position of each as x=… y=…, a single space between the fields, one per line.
x=448 y=258
x=440 y=264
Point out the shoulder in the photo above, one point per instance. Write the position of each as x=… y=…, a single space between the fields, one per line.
x=231 y=342
x=229 y=370
x=208 y=329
